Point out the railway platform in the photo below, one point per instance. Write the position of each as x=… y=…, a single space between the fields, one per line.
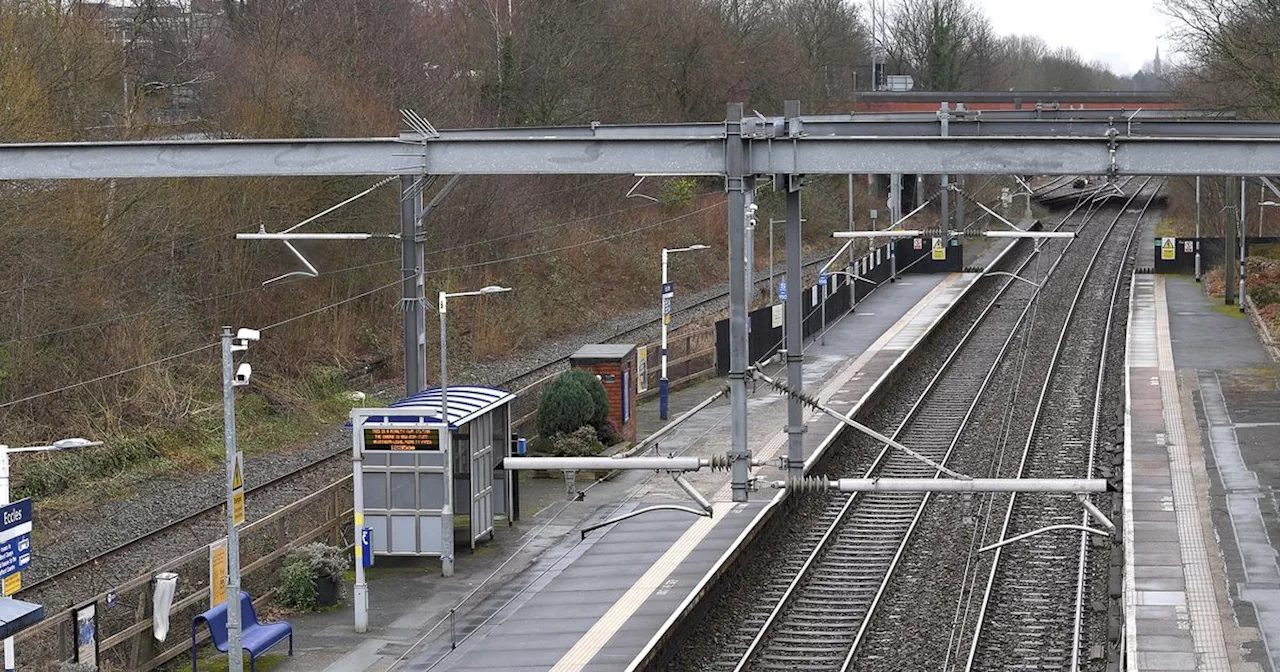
x=547 y=598
x=1202 y=584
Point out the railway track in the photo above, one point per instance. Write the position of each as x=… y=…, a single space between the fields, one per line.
x=1021 y=622
x=816 y=617
x=113 y=566
x=932 y=597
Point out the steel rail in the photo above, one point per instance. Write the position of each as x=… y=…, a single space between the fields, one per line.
x=48 y=582
x=842 y=515
x=1055 y=359
x=973 y=406
x=1099 y=390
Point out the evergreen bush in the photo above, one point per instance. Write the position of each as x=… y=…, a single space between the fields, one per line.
x=565 y=406
x=595 y=388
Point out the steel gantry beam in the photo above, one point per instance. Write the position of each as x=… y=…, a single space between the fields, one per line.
x=820 y=147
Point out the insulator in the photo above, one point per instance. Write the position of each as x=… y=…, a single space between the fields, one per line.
x=799 y=396
x=807 y=485
x=721 y=462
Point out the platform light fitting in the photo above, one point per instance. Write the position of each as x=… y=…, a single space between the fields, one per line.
x=1029 y=234
x=314 y=236
x=897 y=233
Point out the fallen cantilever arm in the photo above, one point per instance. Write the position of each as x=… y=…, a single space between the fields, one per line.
x=818 y=406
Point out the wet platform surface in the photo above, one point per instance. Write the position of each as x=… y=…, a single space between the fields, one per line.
x=1202 y=580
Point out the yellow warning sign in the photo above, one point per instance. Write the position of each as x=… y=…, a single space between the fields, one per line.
x=12 y=583
x=1168 y=249
x=237 y=474
x=217 y=572
x=237 y=506
x=237 y=489
x=939 y=251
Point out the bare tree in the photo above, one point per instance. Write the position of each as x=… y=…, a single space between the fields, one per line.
x=1233 y=47
x=943 y=44
x=832 y=42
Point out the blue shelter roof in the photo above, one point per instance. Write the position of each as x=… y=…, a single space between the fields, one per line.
x=466 y=402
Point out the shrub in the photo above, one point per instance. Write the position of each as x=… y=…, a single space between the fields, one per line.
x=303 y=568
x=581 y=442
x=1264 y=295
x=595 y=388
x=297 y=589
x=677 y=191
x=608 y=432
x=565 y=406
x=324 y=560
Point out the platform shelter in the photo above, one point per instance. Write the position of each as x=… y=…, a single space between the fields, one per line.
x=404 y=455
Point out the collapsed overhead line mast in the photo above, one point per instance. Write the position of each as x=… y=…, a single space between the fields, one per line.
x=740 y=150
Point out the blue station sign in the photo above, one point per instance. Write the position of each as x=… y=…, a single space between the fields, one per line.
x=15 y=536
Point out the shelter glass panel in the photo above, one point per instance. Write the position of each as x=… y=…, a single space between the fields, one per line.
x=403 y=534
x=403 y=494
x=379 y=526
x=431 y=491
x=375 y=490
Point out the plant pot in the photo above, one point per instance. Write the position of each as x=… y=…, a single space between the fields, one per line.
x=326 y=591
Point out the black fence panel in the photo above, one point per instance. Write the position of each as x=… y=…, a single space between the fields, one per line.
x=1178 y=255
x=930 y=255
x=764 y=332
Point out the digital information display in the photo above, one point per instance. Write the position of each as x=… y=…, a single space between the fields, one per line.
x=401 y=438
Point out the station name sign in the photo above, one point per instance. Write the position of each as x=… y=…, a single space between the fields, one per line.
x=401 y=438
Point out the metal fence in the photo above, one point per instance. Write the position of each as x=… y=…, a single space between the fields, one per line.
x=1177 y=255
x=764 y=328
x=125 y=613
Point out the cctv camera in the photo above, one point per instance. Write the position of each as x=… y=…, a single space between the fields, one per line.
x=248 y=335
x=242 y=375
x=753 y=207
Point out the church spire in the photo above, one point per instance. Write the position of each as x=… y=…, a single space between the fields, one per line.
x=1155 y=65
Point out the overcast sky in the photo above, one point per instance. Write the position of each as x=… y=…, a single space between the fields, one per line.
x=1122 y=33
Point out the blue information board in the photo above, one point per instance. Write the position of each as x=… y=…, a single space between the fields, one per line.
x=15 y=537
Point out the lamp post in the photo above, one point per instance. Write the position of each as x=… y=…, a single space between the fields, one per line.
x=1197 y=228
x=773 y=288
x=446 y=558
x=231 y=380
x=65 y=444
x=668 y=293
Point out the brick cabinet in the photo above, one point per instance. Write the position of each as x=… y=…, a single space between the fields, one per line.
x=615 y=365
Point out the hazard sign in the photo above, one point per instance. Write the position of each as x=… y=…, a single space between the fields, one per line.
x=1168 y=249
x=917 y=243
x=237 y=489
x=218 y=572
x=1188 y=246
x=939 y=252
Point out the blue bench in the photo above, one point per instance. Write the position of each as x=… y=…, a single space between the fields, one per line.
x=255 y=637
